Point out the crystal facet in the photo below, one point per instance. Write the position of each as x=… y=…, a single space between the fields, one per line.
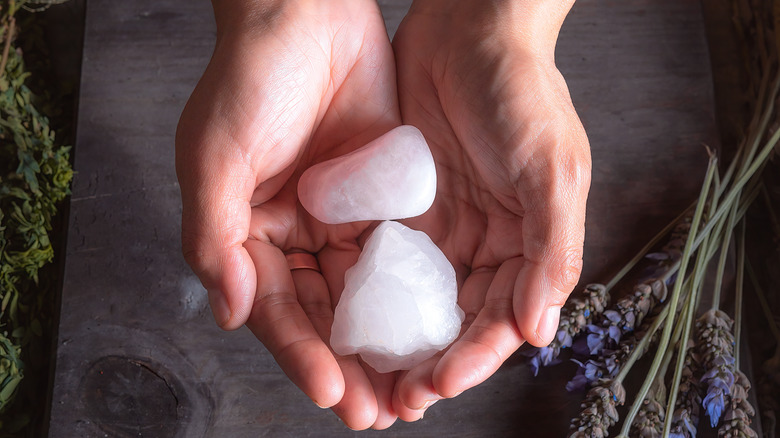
x=399 y=305
x=392 y=177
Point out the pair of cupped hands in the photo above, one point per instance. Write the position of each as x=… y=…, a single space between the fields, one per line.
x=296 y=82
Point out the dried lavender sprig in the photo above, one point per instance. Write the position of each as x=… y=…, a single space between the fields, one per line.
x=658 y=376
x=599 y=410
x=649 y=422
x=685 y=419
x=715 y=346
x=739 y=412
x=606 y=340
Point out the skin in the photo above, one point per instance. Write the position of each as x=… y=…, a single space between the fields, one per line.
x=293 y=83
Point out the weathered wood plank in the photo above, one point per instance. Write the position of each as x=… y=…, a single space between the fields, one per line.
x=138 y=352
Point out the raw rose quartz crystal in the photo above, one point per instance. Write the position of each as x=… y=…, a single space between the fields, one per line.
x=399 y=305
x=392 y=177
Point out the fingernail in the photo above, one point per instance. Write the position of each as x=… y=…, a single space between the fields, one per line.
x=219 y=307
x=429 y=403
x=549 y=324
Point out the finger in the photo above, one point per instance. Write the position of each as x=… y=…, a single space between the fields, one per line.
x=553 y=235
x=487 y=343
x=357 y=408
x=383 y=385
x=280 y=323
x=415 y=389
x=404 y=413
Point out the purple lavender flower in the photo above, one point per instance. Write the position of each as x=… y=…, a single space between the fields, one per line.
x=714 y=403
x=542 y=357
x=606 y=366
x=600 y=338
x=589 y=372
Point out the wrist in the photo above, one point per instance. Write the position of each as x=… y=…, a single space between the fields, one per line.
x=534 y=25
x=248 y=19
x=237 y=15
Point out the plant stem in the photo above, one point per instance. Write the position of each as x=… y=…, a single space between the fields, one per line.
x=739 y=292
x=724 y=251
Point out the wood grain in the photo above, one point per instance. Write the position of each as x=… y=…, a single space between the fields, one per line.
x=136 y=335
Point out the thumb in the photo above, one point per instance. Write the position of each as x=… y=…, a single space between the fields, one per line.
x=553 y=238
x=216 y=191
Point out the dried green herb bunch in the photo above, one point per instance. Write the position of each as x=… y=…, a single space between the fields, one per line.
x=35 y=175
x=599 y=410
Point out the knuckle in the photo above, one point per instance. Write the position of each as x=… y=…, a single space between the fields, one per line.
x=194 y=250
x=564 y=273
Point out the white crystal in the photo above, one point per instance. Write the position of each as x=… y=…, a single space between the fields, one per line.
x=392 y=177
x=399 y=305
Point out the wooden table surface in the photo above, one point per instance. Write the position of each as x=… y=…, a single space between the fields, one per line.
x=138 y=353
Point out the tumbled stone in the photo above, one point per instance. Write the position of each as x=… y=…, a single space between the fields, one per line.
x=392 y=177
x=399 y=305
